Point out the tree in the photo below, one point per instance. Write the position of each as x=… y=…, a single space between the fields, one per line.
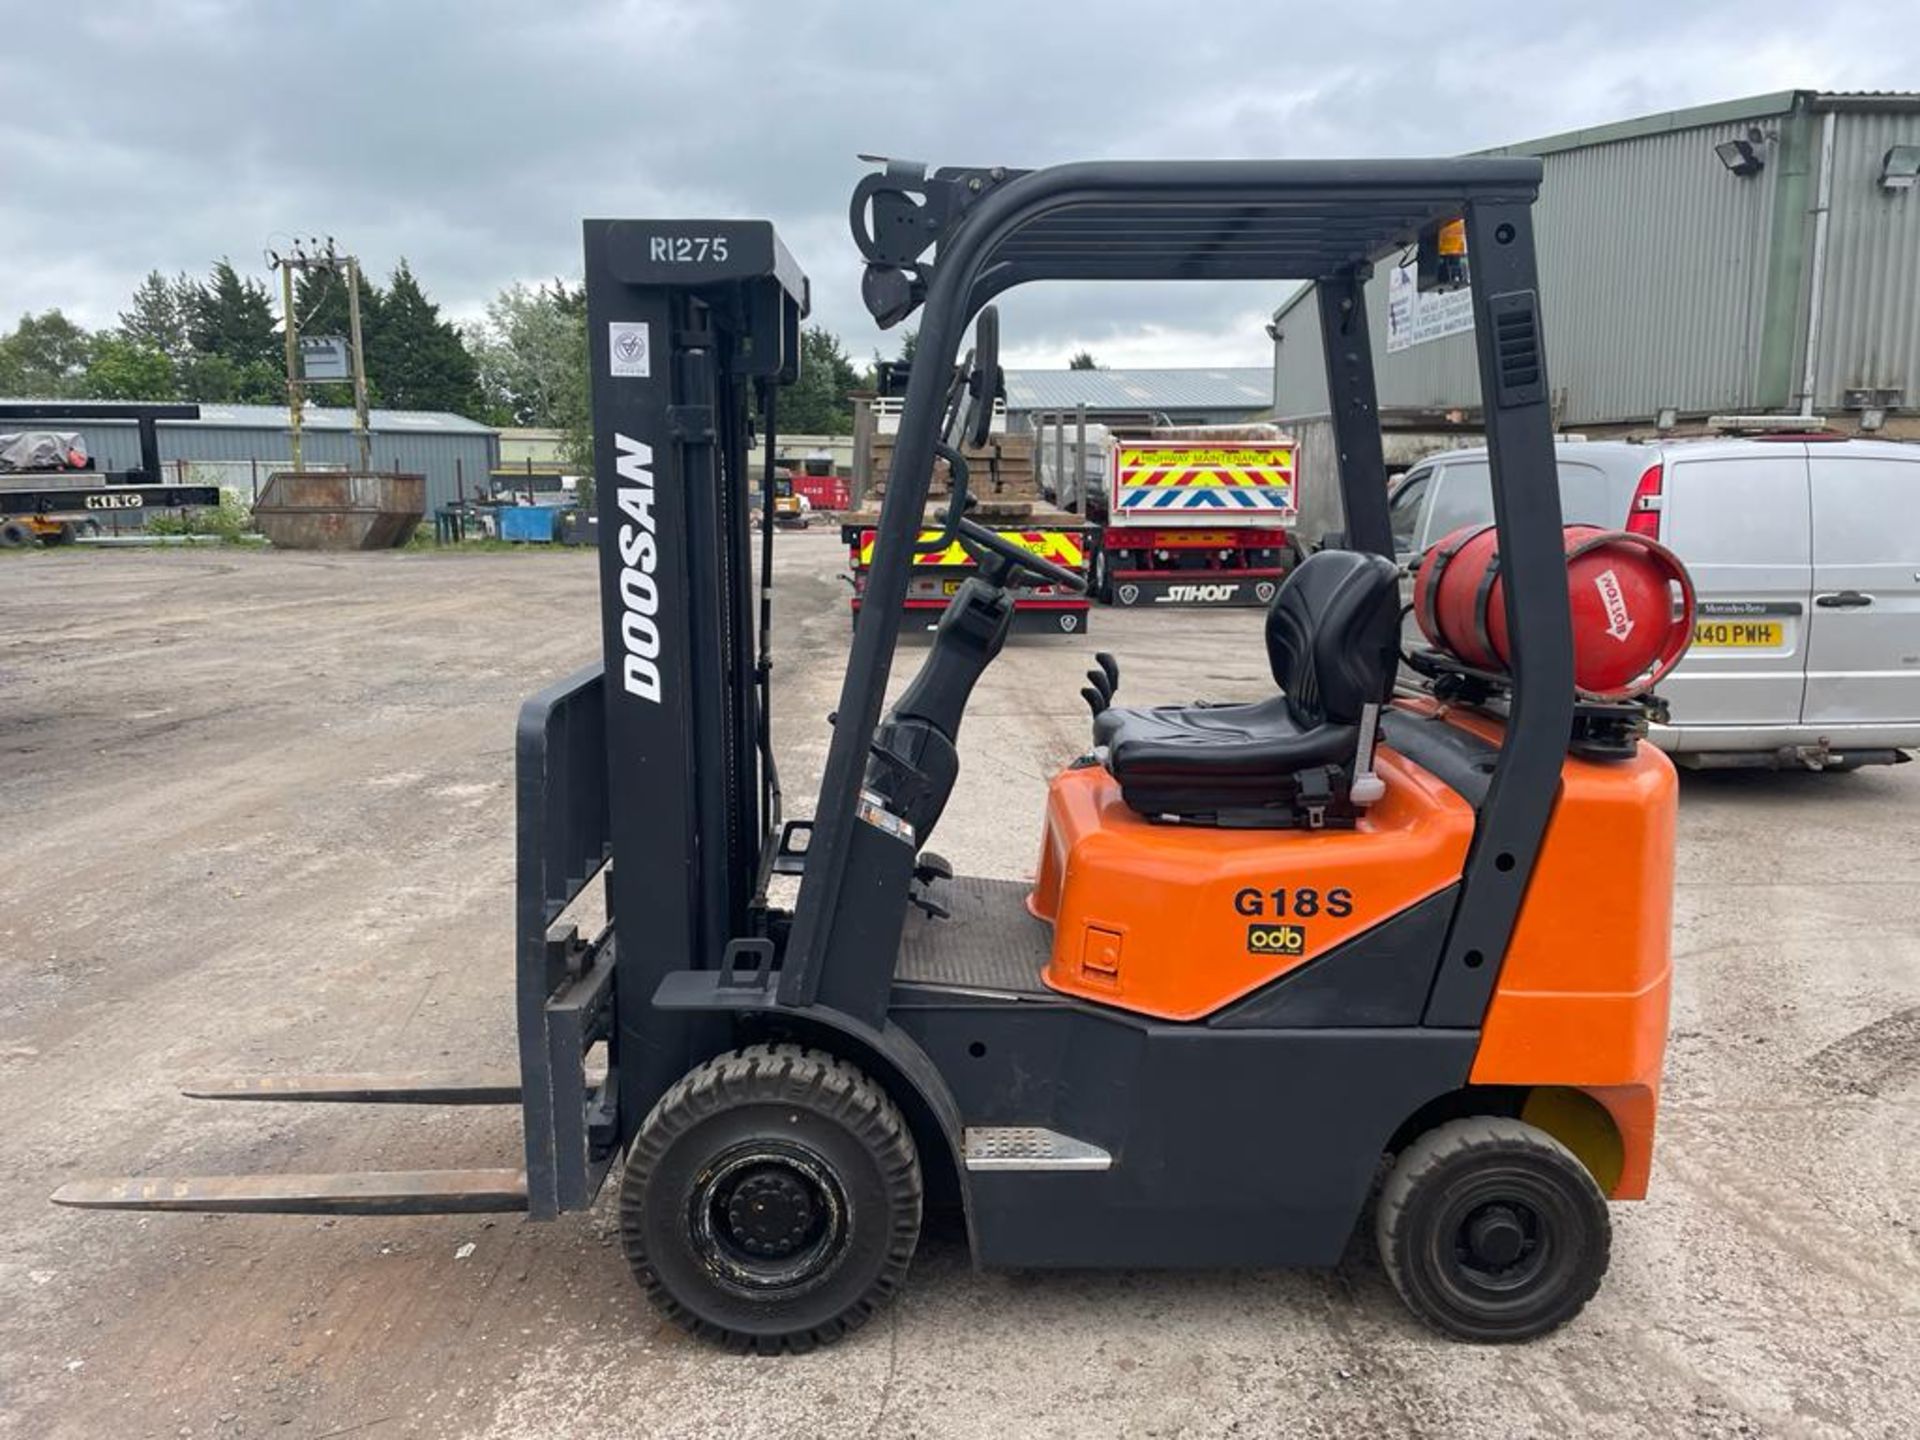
x=818 y=403
x=320 y=300
x=44 y=358
x=233 y=319
x=422 y=361
x=159 y=314
x=124 y=369
x=214 y=380
x=1083 y=360
x=532 y=362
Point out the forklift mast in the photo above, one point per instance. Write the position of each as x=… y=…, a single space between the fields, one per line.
x=661 y=755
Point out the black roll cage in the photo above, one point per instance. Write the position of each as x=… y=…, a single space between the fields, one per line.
x=1326 y=221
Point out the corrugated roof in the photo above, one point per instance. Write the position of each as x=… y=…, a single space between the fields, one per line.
x=1694 y=117
x=327 y=417
x=316 y=417
x=1867 y=100
x=1724 y=112
x=1224 y=388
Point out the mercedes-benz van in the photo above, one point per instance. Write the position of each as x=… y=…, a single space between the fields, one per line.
x=1805 y=553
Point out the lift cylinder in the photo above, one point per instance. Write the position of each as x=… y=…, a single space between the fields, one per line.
x=1631 y=598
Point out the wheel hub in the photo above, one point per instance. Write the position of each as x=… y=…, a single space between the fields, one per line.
x=1496 y=1236
x=771 y=1213
x=768 y=1217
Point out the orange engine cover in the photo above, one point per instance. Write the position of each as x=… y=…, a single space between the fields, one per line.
x=1176 y=921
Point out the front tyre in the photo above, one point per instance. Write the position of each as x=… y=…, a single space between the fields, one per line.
x=1492 y=1230
x=771 y=1200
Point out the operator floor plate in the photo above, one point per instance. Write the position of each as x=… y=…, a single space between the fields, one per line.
x=989 y=942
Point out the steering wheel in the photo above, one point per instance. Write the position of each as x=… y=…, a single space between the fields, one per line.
x=972 y=535
x=976 y=537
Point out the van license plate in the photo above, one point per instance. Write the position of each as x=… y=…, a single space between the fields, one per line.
x=1738 y=635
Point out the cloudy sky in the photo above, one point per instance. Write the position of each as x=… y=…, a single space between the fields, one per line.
x=471 y=137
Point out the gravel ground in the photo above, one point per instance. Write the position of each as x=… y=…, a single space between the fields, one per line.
x=256 y=816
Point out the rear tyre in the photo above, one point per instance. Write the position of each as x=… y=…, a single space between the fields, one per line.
x=17 y=535
x=771 y=1200
x=1492 y=1230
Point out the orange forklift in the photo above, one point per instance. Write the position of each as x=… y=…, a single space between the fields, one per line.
x=1272 y=948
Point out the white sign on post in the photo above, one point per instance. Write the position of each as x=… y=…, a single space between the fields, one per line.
x=1414 y=318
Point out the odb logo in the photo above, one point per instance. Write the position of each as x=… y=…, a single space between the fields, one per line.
x=1277 y=939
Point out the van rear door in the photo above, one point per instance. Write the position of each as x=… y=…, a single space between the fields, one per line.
x=1863 y=655
x=1741 y=520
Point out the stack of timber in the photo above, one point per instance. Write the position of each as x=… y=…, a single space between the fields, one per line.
x=1002 y=469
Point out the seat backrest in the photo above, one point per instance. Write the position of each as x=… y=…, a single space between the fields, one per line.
x=1333 y=635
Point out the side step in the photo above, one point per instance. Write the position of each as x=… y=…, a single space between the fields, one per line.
x=484 y=1089
x=1030 y=1147
x=368 y=1192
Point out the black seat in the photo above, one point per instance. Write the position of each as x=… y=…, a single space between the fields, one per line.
x=1333 y=642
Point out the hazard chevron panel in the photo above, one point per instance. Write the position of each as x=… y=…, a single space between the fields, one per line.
x=1170 y=481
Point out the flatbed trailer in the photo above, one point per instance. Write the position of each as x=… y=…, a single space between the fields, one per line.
x=940 y=569
x=52 y=505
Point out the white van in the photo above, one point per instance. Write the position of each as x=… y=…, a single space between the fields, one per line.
x=1805 y=553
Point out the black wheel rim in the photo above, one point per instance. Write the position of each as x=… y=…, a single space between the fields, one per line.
x=768 y=1218
x=1501 y=1247
x=1504 y=1243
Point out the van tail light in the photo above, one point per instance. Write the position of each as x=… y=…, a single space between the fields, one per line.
x=1643 y=513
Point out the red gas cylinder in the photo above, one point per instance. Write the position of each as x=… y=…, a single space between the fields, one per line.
x=1626 y=632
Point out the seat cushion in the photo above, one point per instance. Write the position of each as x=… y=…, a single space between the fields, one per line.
x=1332 y=633
x=1203 y=758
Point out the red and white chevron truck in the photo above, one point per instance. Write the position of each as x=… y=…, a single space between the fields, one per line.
x=1187 y=514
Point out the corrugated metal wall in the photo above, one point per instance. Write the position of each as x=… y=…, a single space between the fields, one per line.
x=1654 y=269
x=447 y=459
x=1870 y=327
x=1299 y=370
x=1653 y=262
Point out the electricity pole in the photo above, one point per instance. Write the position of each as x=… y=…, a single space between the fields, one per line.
x=294 y=398
x=360 y=426
x=309 y=258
